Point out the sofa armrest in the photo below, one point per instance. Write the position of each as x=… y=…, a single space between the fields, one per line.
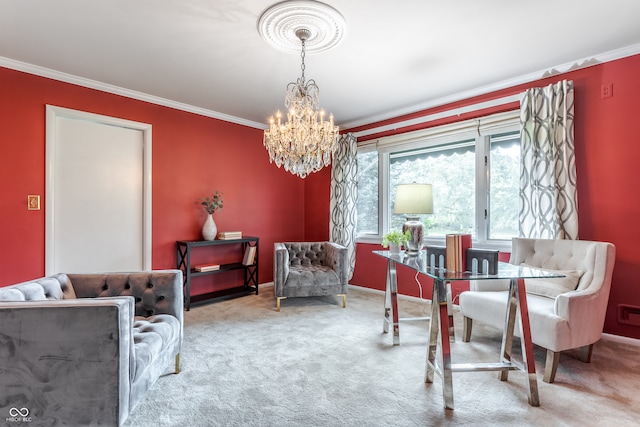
x=336 y=258
x=280 y=266
x=67 y=361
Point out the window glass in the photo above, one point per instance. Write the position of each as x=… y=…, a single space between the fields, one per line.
x=367 y=193
x=504 y=176
x=450 y=169
x=473 y=167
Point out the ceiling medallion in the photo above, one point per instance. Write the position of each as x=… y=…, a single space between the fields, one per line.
x=279 y=23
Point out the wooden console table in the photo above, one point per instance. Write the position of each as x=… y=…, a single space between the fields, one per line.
x=183 y=260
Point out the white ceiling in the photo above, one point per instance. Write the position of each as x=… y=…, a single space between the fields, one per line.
x=397 y=56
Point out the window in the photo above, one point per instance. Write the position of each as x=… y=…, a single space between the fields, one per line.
x=473 y=167
x=367 y=205
x=453 y=184
x=504 y=183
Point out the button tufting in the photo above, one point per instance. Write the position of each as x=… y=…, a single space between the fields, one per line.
x=150 y=285
x=105 y=287
x=161 y=297
x=127 y=286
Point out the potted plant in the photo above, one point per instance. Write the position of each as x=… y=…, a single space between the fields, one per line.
x=211 y=205
x=394 y=240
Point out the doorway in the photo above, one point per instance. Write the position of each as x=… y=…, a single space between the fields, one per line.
x=98 y=193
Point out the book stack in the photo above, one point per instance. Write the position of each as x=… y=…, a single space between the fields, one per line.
x=249 y=255
x=229 y=235
x=207 y=267
x=457 y=245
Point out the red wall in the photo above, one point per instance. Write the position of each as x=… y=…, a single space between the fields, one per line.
x=192 y=157
x=607 y=152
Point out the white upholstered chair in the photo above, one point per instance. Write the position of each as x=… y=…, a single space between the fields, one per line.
x=566 y=313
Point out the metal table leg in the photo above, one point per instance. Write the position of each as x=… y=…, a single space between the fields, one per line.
x=391 y=303
x=507 y=336
x=528 y=361
x=439 y=331
x=438 y=335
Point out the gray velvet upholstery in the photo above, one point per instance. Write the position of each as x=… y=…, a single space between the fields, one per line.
x=82 y=349
x=303 y=269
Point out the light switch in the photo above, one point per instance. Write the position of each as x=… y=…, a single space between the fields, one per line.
x=33 y=202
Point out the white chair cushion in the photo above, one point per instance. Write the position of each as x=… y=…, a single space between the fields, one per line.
x=553 y=287
x=491 y=308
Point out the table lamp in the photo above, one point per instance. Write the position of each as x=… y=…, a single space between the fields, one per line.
x=413 y=200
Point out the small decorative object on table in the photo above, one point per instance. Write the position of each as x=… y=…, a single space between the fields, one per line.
x=394 y=240
x=413 y=200
x=437 y=256
x=211 y=204
x=230 y=235
x=483 y=261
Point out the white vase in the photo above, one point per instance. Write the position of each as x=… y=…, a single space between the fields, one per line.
x=209 y=228
x=394 y=249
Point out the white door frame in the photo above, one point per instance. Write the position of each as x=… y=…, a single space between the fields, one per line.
x=54 y=112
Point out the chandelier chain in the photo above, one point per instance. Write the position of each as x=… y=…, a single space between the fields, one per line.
x=302 y=56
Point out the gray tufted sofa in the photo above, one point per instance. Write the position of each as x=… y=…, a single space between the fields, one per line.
x=82 y=349
x=304 y=269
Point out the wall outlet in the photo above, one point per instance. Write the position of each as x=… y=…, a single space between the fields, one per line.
x=606 y=91
x=629 y=315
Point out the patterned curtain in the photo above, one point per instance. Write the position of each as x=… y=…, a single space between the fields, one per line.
x=344 y=194
x=548 y=195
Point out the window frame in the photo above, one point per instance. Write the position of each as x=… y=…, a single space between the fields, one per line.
x=480 y=130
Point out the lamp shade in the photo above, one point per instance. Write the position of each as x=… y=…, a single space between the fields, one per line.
x=413 y=199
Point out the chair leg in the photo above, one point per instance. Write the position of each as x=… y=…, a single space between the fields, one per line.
x=177 y=371
x=467 y=325
x=551 y=366
x=278 y=302
x=584 y=353
x=344 y=300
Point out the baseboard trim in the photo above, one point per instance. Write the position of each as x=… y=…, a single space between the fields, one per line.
x=620 y=339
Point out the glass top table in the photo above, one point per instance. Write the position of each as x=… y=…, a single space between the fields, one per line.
x=442 y=320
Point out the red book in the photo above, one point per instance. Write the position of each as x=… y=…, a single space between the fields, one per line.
x=465 y=243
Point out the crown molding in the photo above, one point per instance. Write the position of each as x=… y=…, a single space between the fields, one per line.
x=116 y=90
x=526 y=78
x=93 y=84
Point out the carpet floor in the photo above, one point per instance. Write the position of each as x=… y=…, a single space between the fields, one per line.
x=317 y=364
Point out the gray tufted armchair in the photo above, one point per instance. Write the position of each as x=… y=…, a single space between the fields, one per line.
x=309 y=269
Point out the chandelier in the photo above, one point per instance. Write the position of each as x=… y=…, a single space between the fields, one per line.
x=306 y=142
